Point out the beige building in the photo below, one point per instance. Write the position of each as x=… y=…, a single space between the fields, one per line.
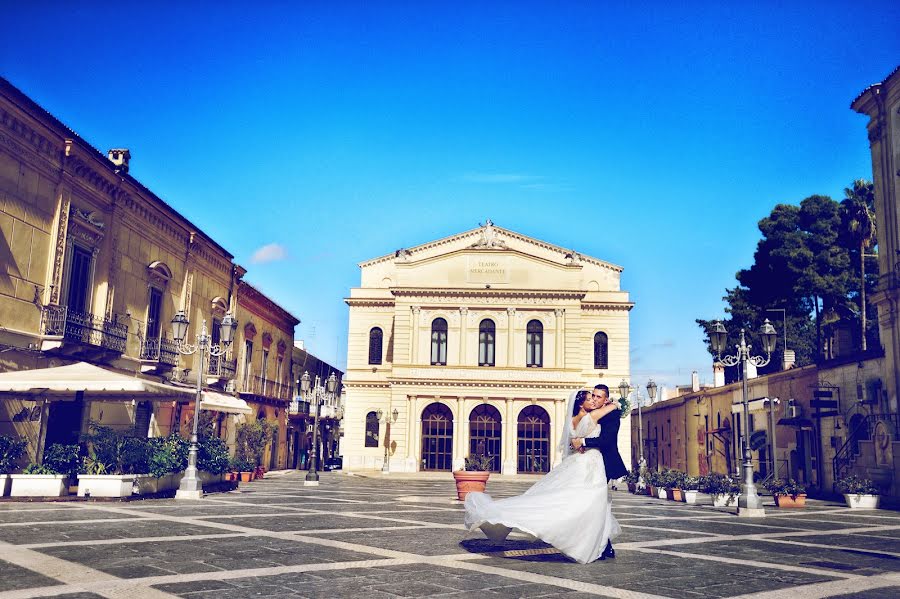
x=93 y=267
x=264 y=379
x=471 y=345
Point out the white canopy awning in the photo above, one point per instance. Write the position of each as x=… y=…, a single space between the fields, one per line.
x=220 y=402
x=62 y=382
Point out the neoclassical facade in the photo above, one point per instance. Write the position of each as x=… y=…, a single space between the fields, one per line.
x=471 y=345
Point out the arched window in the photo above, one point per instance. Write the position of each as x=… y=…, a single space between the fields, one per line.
x=533 y=443
x=534 y=348
x=375 y=337
x=486 y=335
x=371 y=429
x=485 y=435
x=439 y=342
x=601 y=350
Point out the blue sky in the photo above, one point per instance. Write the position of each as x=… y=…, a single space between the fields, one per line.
x=317 y=135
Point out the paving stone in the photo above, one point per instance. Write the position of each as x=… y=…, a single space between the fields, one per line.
x=880 y=593
x=311 y=522
x=44 y=533
x=16 y=578
x=66 y=515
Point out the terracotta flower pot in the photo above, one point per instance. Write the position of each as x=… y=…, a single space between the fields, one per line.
x=675 y=494
x=469 y=482
x=791 y=500
x=246 y=477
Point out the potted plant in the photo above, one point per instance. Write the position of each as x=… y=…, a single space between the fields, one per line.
x=474 y=476
x=788 y=493
x=11 y=450
x=724 y=490
x=113 y=462
x=673 y=485
x=212 y=459
x=690 y=486
x=631 y=479
x=653 y=480
x=39 y=480
x=859 y=493
x=243 y=467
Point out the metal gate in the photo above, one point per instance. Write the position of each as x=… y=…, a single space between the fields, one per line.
x=534 y=440
x=437 y=438
x=485 y=435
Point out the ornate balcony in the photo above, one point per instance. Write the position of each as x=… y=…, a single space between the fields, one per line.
x=267 y=388
x=220 y=368
x=81 y=333
x=158 y=355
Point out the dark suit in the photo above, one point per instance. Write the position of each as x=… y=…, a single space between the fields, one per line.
x=607 y=443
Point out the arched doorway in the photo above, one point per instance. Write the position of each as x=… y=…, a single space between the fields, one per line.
x=485 y=435
x=533 y=440
x=437 y=438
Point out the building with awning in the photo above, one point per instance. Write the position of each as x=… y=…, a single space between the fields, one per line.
x=96 y=267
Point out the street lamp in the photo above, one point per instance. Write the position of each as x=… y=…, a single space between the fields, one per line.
x=191 y=487
x=388 y=420
x=749 y=503
x=317 y=392
x=651 y=393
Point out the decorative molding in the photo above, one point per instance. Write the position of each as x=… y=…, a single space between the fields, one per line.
x=608 y=306
x=479 y=375
x=59 y=256
x=491 y=296
x=488 y=238
x=369 y=302
x=83 y=225
x=36 y=142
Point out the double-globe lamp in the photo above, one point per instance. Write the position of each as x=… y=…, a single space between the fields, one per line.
x=749 y=503
x=191 y=487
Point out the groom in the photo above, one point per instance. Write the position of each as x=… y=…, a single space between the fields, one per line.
x=606 y=443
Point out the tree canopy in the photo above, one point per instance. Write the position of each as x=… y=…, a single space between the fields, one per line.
x=806 y=277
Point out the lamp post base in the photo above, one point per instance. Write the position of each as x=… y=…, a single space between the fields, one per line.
x=751 y=512
x=311 y=483
x=186 y=494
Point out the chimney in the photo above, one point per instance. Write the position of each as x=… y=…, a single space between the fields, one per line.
x=120 y=157
x=790 y=358
x=695 y=381
x=751 y=370
x=718 y=375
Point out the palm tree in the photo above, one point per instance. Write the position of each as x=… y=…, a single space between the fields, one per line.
x=858 y=209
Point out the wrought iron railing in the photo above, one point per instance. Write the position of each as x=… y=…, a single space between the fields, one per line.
x=264 y=387
x=84 y=327
x=846 y=455
x=163 y=350
x=222 y=368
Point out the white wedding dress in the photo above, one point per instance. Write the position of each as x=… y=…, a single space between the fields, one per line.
x=569 y=508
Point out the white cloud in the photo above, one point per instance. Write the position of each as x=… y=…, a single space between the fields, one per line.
x=271 y=252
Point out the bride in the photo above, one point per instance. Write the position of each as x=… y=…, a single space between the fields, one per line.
x=568 y=508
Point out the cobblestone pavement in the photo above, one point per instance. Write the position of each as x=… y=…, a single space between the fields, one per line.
x=375 y=537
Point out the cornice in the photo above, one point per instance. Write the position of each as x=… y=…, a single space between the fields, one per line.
x=369 y=302
x=488 y=293
x=608 y=306
x=30 y=137
x=249 y=298
x=561 y=385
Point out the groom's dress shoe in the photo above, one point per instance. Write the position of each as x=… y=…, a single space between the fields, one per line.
x=608 y=553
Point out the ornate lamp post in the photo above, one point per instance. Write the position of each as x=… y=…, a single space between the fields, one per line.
x=749 y=503
x=317 y=392
x=389 y=418
x=651 y=393
x=191 y=487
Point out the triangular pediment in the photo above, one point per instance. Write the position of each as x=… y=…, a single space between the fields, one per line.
x=490 y=257
x=491 y=238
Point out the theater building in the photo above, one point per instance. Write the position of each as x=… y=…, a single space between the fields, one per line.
x=471 y=345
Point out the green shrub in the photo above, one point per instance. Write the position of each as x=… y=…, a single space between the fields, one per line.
x=167 y=455
x=854 y=485
x=115 y=452
x=212 y=455
x=251 y=440
x=478 y=462
x=719 y=484
x=39 y=469
x=780 y=486
x=64 y=459
x=11 y=450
